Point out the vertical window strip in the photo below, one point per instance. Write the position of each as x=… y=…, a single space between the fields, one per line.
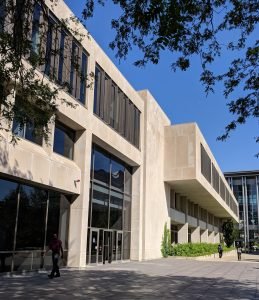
x=35 y=38
x=48 y=48
x=83 y=78
x=2 y=15
x=114 y=108
x=61 y=57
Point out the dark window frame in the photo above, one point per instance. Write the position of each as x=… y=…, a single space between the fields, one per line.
x=68 y=131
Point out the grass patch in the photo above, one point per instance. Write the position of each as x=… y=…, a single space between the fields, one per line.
x=197 y=249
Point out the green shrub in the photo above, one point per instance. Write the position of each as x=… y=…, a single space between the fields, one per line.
x=166 y=248
x=196 y=249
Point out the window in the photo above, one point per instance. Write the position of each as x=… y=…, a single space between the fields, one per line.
x=8 y=208
x=117 y=176
x=114 y=107
x=35 y=36
x=83 y=78
x=58 y=54
x=28 y=218
x=26 y=131
x=100 y=206
x=215 y=178
x=205 y=164
x=111 y=192
x=2 y=14
x=32 y=216
x=73 y=70
x=101 y=168
x=64 y=139
x=61 y=58
x=48 y=66
x=116 y=205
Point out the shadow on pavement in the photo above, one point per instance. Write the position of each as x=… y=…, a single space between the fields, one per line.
x=123 y=284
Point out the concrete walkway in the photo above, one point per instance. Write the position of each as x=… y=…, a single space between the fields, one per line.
x=157 y=279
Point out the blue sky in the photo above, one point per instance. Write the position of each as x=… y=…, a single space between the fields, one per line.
x=181 y=95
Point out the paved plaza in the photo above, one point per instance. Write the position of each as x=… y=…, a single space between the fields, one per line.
x=169 y=278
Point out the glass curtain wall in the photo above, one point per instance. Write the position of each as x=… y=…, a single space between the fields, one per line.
x=110 y=206
x=28 y=218
x=245 y=191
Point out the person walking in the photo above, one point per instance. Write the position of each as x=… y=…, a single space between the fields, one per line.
x=239 y=252
x=220 y=250
x=55 y=246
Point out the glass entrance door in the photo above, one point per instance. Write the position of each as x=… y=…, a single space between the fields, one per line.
x=94 y=244
x=107 y=246
x=119 y=245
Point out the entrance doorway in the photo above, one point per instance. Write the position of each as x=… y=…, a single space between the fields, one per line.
x=105 y=246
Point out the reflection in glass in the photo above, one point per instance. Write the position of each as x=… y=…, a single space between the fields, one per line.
x=28 y=205
x=87 y=246
x=119 y=246
x=83 y=78
x=127 y=213
x=110 y=206
x=8 y=208
x=35 y=35
x=116 y=204
x=100 y=203
x=58 y=218
x=23 y=261
x=64 y=139
x=101 y=167
x=31 y=218
x=94 y=243
x=117 y=175
x=27 y=132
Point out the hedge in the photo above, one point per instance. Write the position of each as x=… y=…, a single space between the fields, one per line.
x=196 y=249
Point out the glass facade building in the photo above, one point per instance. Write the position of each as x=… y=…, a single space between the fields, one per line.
x=245 y=188
x=29 y=216
x=109 y=209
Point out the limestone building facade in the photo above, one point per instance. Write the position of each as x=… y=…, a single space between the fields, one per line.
x=114 y=173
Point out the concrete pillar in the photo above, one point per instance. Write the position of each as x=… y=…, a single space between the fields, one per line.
x=204 y=236
x=195 y=236
x=137 y=221
x=211 y=237
x=217 y=238
x=79 y=208
x=183 y=233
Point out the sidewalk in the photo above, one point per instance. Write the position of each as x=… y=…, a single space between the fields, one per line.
x=157 y=279
x=232 y=257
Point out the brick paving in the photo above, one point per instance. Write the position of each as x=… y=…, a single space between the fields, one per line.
x=169 y=278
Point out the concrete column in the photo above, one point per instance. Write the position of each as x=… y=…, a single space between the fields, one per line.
x=195 y=236
x=217 y=238
x=79 y=208
x=211 y=237
x=183 y=233
x=137 y=220
x=204 y=236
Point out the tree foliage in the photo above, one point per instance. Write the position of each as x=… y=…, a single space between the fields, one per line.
x=187 y=28
x=229 y=233
x=27 y=95
x=166 y=247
